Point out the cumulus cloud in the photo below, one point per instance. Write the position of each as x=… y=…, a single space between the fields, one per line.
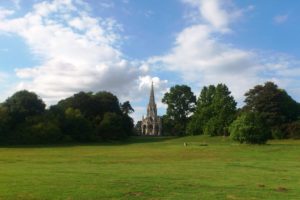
x=78 y=52
x=202 y=58
x=213 y=12
x=5 y=13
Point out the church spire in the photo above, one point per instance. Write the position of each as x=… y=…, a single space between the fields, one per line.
x=152 y=99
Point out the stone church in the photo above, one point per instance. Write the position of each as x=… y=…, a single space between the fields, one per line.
x=151 y=124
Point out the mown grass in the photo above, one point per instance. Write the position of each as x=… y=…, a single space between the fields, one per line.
x=153 y=168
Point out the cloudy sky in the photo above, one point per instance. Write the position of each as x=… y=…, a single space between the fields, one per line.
x=58 y=47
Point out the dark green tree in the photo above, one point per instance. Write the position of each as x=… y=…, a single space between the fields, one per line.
x=126 y=108
x=180 y=102
x=23 y=104
x=5 y=127
x=215 y=111
x=112 y=127
x=273 y=103
x=76 y=127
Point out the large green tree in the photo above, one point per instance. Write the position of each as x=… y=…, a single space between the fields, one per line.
x=23 y=104
x=180 y=102
x=82 y=110
x=215 y=110
x=273 y=103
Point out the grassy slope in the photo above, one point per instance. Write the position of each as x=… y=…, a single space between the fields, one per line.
x=153 y=168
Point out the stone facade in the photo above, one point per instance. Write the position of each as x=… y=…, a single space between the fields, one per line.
x=151 y=124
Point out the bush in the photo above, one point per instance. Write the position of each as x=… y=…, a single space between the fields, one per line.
x=279 y=132
x=42 y=133
x=195 y=126
x=111 y=127
x=249 y=128
x=214 y=127
x=76 y=127
x=293 y=130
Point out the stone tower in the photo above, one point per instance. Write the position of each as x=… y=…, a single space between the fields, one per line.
x=151 y=124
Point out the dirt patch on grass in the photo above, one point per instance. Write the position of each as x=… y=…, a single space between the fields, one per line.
x=281 y=189
x=261 y=185
x=135 y=194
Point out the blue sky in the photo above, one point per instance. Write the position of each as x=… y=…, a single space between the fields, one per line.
x=59 y=47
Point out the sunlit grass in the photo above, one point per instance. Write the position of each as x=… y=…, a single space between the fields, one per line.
x=153 y=168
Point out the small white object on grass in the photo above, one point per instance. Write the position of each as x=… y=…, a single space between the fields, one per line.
x=185 y=144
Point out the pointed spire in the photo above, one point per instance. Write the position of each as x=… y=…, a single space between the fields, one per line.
x=152 y=99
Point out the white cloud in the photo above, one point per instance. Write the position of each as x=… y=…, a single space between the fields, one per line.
x=280 y=19
x=78 y=52
x=213 y=13
x=5 y=13
x=202 y=58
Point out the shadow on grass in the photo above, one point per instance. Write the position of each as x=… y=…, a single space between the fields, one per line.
x=129 y=141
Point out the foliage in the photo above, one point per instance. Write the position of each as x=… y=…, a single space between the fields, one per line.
x=4 y=124
x=23 y=104
x=126 y=108
x=274 y=104
x=215 y=111
x=278 y=133
x=24 y=119
x=249 y=128
x=180 y=102
x=138 y=128
x=76 y=127
x=39 y=131
x=293 y=130
x=112 y=127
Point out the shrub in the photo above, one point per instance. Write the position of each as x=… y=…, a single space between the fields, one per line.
x=76 y=127
x=111 y=127
x=293 y=130
x=249 y=128
x=279 y=132
x=44 y=132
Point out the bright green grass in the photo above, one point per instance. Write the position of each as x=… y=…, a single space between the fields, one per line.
x=153 y=168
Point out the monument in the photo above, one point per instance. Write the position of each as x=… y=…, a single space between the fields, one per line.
x=151 y=124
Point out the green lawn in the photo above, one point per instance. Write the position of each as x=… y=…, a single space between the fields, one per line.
x=153 y=168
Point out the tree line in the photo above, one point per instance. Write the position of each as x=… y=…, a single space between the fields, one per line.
x=83 y=117
x=269 y=112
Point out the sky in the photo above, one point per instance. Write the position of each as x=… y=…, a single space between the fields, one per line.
x=59 y=47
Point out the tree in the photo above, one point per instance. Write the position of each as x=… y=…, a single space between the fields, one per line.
x=23 y=104
x=181 y=104
x=4 y=124
x=38 y=130
x=215 y=111
x=274 y=104
x=24 y=119
x=138 y=128
x=76 y=127
x=111 y=127
x=249 y=128
x=126 y=108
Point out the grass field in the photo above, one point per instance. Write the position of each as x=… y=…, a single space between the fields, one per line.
x=153 y=168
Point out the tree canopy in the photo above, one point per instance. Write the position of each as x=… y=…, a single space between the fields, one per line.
x=180 y=102
x=274 y=104
x=215 y=110
x=83 y=117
